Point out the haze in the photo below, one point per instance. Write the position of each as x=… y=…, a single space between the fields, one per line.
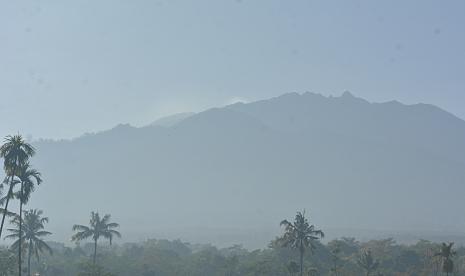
x=86 y=66
x=232 y=137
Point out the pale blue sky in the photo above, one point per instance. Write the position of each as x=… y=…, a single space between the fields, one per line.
x=69 y=67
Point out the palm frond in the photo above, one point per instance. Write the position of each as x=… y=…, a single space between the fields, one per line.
x=78 y=227
x=98 y=227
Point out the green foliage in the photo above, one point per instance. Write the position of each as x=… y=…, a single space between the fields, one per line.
x=166 y=258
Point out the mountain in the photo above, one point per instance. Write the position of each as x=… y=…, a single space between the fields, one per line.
x=231 y=174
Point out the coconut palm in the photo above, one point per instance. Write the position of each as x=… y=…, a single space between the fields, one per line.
x=27 y=178
x=446 y=253
x=15 y=152
x=367 y=262
x=98 y=227
x=32 y=234
x=300 y=235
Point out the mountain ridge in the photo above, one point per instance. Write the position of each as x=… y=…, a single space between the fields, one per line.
x=345 y=159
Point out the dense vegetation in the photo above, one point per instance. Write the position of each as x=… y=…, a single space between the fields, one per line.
x=162 y=257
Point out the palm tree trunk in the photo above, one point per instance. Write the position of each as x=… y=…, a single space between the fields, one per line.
x=8 y=196
x=20 y=230
x=301 y=262
x=95 y=250
x=29 y=258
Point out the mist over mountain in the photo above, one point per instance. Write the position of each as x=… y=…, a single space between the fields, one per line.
x=231 y=174
x=172 y=120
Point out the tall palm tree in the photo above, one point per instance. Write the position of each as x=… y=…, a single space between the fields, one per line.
x=98 y=227
x=16 y=152
x=28 y=178
x=446 y=253
x=31 y=237
x=367 y=262
x=300 y=235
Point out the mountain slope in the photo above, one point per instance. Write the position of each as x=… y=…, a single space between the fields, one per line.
x=231 y=174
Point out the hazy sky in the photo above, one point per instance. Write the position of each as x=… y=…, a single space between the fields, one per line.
x=69 y=67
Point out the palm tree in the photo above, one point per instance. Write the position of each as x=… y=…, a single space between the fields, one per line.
x=15 y=152
x=32 y=235
x=367 y=262
x=28 y=178
x=300 y=235
x=446 y=255
x=98 y=227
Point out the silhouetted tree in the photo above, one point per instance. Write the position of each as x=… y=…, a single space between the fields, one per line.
x=15 y=152
x=27 y=178
x=300 y=235
x=98 y=227
x=32 y=234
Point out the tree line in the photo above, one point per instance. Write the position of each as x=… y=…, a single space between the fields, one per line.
x=343 y=257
